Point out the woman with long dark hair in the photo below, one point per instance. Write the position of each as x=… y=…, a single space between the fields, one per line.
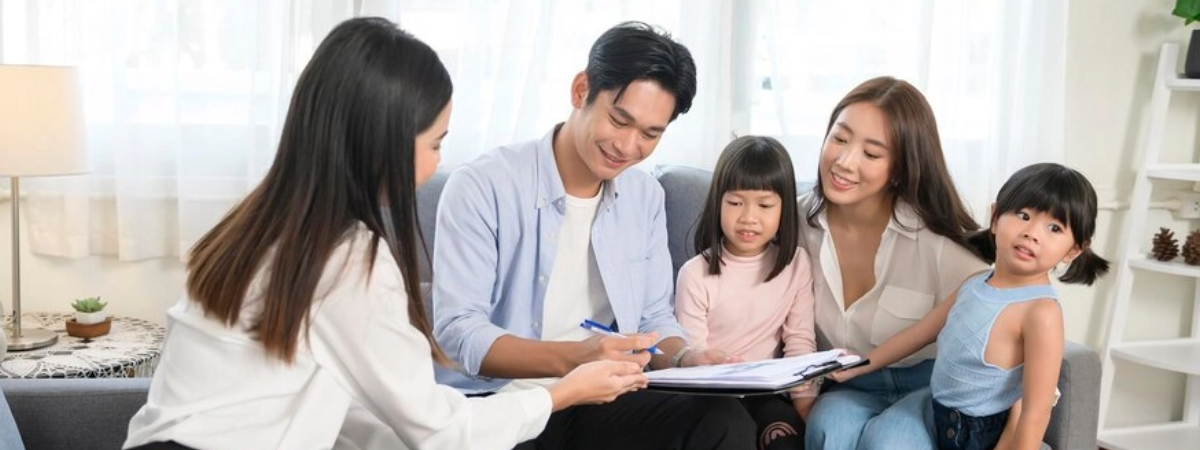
x=304 y=300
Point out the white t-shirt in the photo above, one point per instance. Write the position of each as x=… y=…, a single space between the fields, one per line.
x=575 y=290
x=215 y=388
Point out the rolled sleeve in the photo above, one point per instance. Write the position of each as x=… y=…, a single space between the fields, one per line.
x=464 y=259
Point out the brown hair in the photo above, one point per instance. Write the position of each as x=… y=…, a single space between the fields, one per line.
x=918 y=173
x=346 y=149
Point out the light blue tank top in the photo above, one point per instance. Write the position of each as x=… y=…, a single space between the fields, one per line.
x=961 y=379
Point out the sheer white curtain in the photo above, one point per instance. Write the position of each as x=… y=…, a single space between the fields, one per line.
x=993 y=70
x=184 y=98
x=513 y=61
x=183 y=101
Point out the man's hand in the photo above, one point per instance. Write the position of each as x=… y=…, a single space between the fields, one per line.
x=631 y=348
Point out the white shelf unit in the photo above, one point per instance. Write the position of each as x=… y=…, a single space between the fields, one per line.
x=1181 y=355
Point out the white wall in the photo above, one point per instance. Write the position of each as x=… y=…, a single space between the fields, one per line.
x=1111 y=55
x=143 y=289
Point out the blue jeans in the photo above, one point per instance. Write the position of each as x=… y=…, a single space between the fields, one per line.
x=958 y=431
x=885 y=409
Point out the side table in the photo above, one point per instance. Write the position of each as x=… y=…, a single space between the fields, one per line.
x=131 y=349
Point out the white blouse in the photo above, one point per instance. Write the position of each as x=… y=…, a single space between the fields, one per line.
x=215 y=388
x=915 y=270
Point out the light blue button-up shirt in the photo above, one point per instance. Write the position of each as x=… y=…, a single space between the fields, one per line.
x=497 y=223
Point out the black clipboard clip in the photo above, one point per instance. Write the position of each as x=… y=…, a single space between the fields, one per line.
x=826 y=368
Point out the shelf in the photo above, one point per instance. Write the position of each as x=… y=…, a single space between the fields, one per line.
x=1183 y=84
x=1179 y=172
x=1152 y=437
x=1177 y=355
x=1176 y=267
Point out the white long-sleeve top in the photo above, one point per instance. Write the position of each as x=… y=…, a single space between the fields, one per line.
x=216 y=388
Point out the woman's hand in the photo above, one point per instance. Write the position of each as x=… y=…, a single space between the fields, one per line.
x=597 y=382
x=843 y=376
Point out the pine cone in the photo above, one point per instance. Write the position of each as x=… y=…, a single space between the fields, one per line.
x=1165 y=246
x=1191 y=248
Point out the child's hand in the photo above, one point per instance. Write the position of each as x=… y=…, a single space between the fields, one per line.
x=707 y=357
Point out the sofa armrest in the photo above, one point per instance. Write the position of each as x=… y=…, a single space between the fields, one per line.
x=1074 y=421
x=92 y=413
x=10 y=438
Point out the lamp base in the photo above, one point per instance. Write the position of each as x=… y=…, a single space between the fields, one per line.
x=32 y=338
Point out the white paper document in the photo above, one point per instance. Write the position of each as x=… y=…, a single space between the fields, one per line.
x=766 y=375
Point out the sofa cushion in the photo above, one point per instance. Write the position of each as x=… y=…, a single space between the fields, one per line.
x=1074 y=421
x=427 y=200
x=685 y=189
x=10 y=438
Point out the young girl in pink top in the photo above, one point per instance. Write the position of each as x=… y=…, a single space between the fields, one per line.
x=748 y=291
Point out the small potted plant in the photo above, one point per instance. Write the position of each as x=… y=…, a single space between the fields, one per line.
x=90 y=319
x=1189 y=11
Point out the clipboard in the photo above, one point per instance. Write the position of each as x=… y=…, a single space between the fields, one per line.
x=719 y=387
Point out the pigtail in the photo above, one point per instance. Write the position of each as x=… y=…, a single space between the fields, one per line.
x=1085 y=269
x=983 y=244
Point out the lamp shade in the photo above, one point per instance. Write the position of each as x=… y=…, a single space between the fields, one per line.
x=41 y=121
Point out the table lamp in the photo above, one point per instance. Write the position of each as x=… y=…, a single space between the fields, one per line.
x=41 y=133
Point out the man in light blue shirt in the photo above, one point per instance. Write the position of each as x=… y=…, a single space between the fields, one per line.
x=532 y=238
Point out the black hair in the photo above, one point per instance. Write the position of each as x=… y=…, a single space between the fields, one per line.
x=633 y=51
x=347 y=148
x=1061 y=192
x=756 y=163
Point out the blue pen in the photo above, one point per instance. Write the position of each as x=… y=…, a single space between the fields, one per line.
x=594 y=327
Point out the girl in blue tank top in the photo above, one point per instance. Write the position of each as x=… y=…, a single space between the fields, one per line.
x=1000 y=335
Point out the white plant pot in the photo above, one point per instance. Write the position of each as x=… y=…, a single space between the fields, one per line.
x=90 y=318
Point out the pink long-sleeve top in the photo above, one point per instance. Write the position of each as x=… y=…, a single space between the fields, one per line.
x=740 y=314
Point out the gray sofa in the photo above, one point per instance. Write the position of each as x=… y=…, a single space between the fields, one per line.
x=66 y=414
x=93 y=414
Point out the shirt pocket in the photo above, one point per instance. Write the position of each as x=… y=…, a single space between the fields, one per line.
x=898 y=309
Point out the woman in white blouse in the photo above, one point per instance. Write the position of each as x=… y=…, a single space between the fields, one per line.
x=301 y=305
x=885 y=230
